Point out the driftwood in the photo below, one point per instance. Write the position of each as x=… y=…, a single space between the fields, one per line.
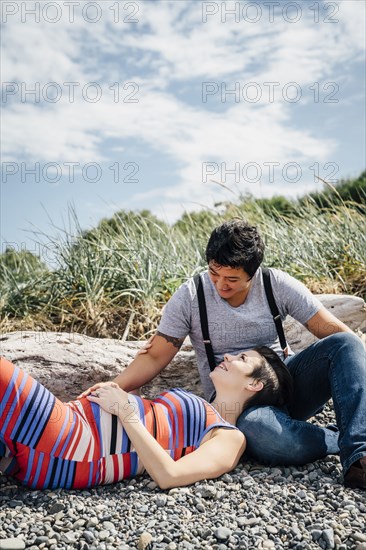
x=67 y=363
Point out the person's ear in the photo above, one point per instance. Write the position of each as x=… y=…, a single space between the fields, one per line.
x=255 y=385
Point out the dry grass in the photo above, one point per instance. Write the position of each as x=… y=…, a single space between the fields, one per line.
x=113 y=281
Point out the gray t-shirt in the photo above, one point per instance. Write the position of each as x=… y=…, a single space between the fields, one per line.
x=235 y=329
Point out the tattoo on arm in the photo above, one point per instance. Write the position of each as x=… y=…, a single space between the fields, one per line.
x=177 y=342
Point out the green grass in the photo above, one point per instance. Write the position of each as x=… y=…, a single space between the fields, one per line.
x=112 y=281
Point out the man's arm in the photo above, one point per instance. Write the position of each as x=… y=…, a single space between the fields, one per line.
x=323 y=324
x=148 y=365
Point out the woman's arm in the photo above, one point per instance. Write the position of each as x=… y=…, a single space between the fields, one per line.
x=218 y=455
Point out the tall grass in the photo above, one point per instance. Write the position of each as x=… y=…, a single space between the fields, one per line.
x=113 y=281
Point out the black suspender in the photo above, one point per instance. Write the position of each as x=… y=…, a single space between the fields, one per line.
x=204 y=322
x=274 y=310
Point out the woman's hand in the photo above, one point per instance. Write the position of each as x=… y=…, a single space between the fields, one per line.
x=112 y=399
x=97 y=386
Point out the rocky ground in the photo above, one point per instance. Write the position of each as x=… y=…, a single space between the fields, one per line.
x=253 y=507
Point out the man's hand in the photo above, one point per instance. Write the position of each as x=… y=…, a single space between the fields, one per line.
x=145 y=348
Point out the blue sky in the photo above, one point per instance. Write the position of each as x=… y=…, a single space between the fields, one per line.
x=153 y=124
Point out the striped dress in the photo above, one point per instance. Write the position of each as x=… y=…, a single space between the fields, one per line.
x=46 y=444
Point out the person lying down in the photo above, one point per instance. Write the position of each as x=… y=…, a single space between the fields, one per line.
x=178 y=438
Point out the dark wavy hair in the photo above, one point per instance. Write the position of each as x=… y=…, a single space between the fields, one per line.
x=236 y=244
x=278 y=384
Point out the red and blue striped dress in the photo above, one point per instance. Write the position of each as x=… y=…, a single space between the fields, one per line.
x=46 y=444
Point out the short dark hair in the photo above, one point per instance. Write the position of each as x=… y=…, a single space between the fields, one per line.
x=236 y=243
x=278 y=384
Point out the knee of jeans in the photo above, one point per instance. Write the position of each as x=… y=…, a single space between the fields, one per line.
x=347 y=339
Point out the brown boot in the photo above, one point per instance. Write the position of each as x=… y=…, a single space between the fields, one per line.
x=356 y=475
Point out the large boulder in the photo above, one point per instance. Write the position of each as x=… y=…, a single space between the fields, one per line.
x=349 y=309
x=67 y=363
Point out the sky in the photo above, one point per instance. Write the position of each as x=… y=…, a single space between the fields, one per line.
x=152 y=104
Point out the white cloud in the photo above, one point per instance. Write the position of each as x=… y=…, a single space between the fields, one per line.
x=171 y=47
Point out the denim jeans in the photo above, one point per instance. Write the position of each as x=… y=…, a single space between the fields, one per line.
x=334 y=367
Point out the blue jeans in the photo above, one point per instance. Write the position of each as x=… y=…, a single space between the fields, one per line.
x=334 y=367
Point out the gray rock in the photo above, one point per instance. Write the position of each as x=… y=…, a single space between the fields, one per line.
x=161 y=500
x=222 y=533
x=328 y=537
x=108 y=525
x=316 y=534
x=56 y=508
x=88 y=536
x=103 y=534
x=67 y=363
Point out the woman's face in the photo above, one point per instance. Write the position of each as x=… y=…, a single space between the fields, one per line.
x=236 y=370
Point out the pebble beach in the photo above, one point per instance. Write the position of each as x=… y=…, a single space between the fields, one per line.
x=253 y=507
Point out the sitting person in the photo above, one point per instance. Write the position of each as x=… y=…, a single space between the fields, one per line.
x=109 y=435
x=240 y=315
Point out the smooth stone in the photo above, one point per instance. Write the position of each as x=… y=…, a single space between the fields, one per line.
x=88 y=536
x=251 y=521
x=38 y=541
x=55 y=508
x=103 y=534
x=222 y=533
x=15 y=503
x=316 y=534
x=93 y=522
x=108 y=525
x=12 y=544
x=79 y=523
x=161 y=500
x=328 y=537
x=208 y=492
x=241 y=521
x=69 y=537
x=145 y=539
